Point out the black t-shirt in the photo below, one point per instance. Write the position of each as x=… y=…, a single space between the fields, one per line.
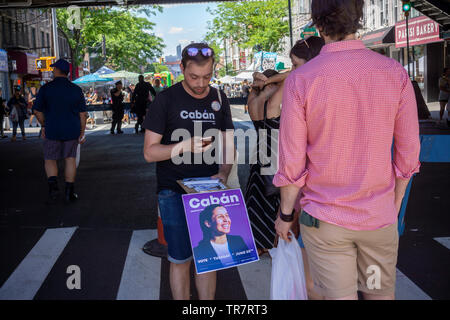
x=174 y=109
x=117 y=101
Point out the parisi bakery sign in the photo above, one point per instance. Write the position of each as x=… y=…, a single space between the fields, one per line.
x=422 y=30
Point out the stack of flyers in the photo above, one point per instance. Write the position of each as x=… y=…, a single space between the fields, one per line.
x=204 y=184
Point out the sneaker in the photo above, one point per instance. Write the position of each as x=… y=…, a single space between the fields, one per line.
x=3 y=137
x=13 y=138
x=119 y=132
x=112 y=132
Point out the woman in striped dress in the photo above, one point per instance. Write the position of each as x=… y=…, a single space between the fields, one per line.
x=263 y=210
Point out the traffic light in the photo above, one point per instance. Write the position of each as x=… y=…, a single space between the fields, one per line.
x=41 y=64
x=406 y=7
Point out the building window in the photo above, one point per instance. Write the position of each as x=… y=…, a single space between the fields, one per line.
x=48 y=41
x=382 y=15
x=386 y=12
x=43 y=42
x=33 y=37
x=395 y=10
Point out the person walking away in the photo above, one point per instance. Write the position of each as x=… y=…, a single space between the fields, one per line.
x=18 y=113
x=117 y=108
x=140 y=101
x=61 y=111
x=31 y=99
x=176 y=108
x=341 y=112
x=3 y=113
x=444 y=93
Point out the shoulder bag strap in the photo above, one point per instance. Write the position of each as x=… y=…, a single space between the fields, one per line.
x=219 y=96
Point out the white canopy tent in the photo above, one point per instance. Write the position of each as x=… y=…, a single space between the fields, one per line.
x=227 y=79
x=245 y=75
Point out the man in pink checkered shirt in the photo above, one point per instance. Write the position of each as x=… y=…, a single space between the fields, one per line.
x=341 y=113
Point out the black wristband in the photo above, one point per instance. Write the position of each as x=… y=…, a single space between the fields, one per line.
x=287 y=217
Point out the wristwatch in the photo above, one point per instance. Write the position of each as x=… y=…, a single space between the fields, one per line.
x=287 y=217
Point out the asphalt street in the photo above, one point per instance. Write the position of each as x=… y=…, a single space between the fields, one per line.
x=103 y=233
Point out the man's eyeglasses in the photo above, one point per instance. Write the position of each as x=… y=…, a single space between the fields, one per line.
x=206 y=52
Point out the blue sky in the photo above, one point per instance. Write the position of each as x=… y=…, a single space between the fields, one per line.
x=181 y=24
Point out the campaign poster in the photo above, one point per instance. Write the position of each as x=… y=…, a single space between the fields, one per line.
x=219 y=229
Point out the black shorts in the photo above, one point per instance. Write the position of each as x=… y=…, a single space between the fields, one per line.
x=59 y=149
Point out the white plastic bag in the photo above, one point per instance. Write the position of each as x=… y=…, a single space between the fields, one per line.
x=78 y=155
x=14 y=116
x=288 y=275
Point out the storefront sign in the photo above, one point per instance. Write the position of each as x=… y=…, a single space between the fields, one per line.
x=422 y=30
x=308 y=32
x=31 y=64
x=3 y=61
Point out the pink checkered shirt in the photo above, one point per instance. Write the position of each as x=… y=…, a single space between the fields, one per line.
x=341 y=112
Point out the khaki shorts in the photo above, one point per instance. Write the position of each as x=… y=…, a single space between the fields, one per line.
x=343 y=261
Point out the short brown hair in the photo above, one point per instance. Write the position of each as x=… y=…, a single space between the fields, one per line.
x=337 y=18
x=307 y=48
x=199 y=58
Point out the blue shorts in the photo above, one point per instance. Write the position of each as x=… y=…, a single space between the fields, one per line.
x=175 y=228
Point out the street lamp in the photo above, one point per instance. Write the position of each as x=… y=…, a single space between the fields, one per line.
x=406 y=7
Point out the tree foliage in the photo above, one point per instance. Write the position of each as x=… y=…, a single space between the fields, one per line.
x=129 y=40
x=250 y=23
x=157 y=68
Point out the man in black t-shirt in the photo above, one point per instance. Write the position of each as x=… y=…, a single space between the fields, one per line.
x=175 y=125
x=139 y=101
x=117 y=107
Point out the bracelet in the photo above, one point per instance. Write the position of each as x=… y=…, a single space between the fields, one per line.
x=287 y=217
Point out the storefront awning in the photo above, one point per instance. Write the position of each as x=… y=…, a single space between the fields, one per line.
x=379 y=38
x=25 y=62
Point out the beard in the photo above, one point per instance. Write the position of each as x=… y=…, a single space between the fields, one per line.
x=196 y=90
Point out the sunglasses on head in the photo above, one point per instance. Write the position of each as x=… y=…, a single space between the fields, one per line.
x=206 y=52
x=306 y=42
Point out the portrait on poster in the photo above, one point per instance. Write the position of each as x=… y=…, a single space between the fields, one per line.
x=219 y=230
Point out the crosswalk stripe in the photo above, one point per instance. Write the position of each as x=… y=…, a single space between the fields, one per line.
x=142 y=273
x=405 y=289
x=445 y=241
x=28 y=277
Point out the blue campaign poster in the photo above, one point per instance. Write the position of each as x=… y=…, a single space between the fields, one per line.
x=219 y=229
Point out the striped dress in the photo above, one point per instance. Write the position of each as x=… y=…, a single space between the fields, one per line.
x=262 y=210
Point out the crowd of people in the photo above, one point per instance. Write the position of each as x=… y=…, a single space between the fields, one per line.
x=233 y=90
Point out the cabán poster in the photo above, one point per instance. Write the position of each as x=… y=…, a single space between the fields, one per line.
x=219 y=229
